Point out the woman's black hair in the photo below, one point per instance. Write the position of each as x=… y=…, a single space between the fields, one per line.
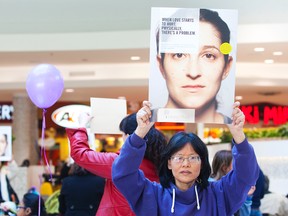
x=31 y=200
x=155 y=144
x=128 y=124
x=214 y=19
x=78 y=170
x=155 y=139
x=177 y=142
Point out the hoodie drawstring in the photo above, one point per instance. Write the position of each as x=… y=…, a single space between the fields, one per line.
x=196 y=192
x=173 y=201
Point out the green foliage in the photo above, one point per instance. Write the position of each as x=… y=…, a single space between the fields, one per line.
x=13 y=138
x=226 y=137
x=258 y=133
x=283 y=131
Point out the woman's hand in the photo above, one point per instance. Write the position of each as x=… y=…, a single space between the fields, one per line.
x=251 y=191
x=236 y=127
x=84 y=119
x=143 y=119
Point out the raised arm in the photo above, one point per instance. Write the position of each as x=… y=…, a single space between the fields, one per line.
x=143 y=120
x=244 y=159
x=99 y=163
x=236 y=184
x=126 y=175
x=236 y=127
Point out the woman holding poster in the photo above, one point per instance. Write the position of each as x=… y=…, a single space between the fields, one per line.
x=184 y=170
x=193 y=55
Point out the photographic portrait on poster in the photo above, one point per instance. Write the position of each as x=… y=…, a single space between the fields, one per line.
x=192 y=64
x=5 y=143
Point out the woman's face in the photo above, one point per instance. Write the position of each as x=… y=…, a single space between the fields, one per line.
x=22 y=210
x=3 y=144
x=193 y=80
x=185 y=173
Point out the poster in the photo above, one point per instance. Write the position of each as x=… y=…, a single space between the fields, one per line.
x=192 y=64
x=5 y=143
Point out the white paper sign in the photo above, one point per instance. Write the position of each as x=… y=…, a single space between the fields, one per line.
x=107 y=114
x=173 y=115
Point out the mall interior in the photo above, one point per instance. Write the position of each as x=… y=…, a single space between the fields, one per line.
x=102 y=51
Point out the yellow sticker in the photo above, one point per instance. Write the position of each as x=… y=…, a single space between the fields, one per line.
x=225 y=48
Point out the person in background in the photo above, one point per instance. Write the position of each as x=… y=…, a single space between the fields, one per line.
x=29 y=205
x=64 y=172
x=221 y=166
x=100 y=163
x=25 y=163
x=81 y=193
x=7 y=193
x=258 y=195
x=184 y=173
x=273 y=204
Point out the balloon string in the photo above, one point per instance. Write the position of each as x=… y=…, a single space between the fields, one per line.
x=39 y=205
x=39 y=198
x=42 y=143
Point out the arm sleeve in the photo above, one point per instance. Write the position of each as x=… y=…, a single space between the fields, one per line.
x=259 y=191
x=98 y=163
x=236 y=184
x=131 y=181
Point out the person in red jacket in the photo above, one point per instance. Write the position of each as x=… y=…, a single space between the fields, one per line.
x=100 y=163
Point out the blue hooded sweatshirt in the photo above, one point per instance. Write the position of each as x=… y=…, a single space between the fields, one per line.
x=220 y=198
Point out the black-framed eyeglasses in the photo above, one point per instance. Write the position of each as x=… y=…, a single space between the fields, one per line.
x=190 y=159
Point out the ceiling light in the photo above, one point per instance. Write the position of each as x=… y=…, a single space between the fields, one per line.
x=135 y=58
x=269 y=61
x=278 y=53
x=238 y=97
x=81 y=73
x=259 y=49
x=69 y=90
x=264 y=83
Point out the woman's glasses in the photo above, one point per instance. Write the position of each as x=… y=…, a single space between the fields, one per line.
x=190 y=159
x=21 y=207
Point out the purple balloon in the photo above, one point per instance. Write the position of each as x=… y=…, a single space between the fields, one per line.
x=44 y=85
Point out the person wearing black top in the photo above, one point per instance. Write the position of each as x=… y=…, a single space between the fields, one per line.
x=81 y=193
